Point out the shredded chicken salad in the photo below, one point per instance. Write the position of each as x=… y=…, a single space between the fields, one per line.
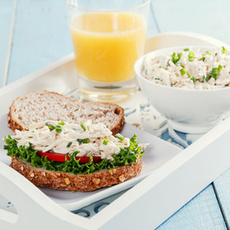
x=61 y=137
x=190 y=69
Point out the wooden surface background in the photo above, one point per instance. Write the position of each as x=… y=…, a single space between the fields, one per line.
x=35 y=33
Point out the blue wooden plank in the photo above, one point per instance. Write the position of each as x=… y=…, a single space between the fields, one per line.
x=222 y=188
x=200 y=16
x=41 y=36
x=202 y=212
x=7 y=8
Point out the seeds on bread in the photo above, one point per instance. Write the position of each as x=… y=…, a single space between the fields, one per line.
x=71 y=182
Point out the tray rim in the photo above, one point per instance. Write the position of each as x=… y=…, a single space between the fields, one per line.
x=109 y=215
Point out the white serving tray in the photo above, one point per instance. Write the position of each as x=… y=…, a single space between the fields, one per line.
x=157 y=154
x=184 y=175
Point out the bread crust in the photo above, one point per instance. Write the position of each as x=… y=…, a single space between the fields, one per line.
x=70 y=182
x=14 y=123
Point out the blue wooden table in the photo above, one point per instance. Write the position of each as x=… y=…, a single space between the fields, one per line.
x=35 y=33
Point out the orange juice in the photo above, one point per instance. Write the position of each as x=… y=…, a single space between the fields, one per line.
x=107 y=45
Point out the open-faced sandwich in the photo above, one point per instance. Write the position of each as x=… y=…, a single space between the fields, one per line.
x=73 y=156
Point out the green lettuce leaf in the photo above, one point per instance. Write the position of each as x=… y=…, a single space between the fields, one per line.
x=28 y=154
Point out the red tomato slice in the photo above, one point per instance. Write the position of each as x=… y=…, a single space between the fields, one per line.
x=61 y=157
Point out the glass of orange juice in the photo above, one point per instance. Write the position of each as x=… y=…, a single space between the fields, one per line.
x=108 y=37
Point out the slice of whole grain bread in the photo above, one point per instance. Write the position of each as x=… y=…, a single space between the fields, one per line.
x=40 y=106
x=83 y=182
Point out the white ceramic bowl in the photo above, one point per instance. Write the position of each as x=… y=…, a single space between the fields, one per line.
x=187 y=110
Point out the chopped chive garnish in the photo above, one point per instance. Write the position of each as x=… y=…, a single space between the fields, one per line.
x=105 y=142
x=187 y=49
x=58 y=128
x=191 y=56
x=51 y=127
x=83 y=126
x=224 y=51
x=84 y=141
x=62 y=123
x=30 y=137
x=193 y=79
x=188 y=75
x=214 y=71
x=182 y=65
x=183 y=71
x=208 y=77
x=220 y=67
x=202 y=59
x=176 y=58
x=119 y=136
x=69 y=144
x=208 y=53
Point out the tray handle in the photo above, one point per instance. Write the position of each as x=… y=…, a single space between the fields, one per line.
x=34 y=209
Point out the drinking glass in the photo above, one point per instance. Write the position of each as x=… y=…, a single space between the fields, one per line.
x=108 y=37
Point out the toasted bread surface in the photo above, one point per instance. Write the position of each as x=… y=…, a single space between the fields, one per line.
x=83 y=182
x=40 y=106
